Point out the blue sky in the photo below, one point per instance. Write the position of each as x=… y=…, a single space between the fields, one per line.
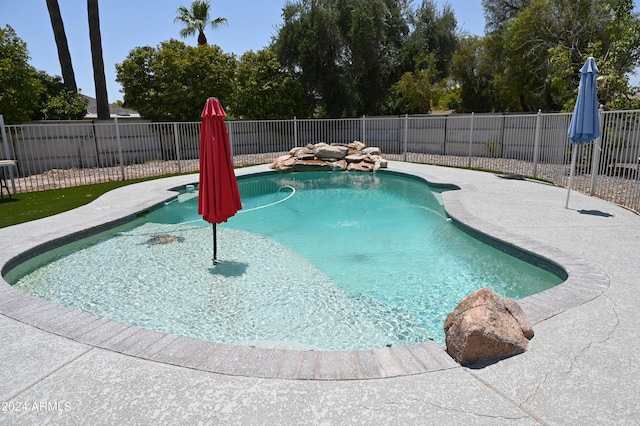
x=126 y=24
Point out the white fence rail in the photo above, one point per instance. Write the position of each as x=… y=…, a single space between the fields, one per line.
x=57 y=155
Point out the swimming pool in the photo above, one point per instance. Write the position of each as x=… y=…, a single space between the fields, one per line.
x=315 y=261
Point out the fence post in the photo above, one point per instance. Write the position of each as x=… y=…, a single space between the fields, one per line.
x=504 y=125
x=295 y=131
x=115 y=119
x=230 y=125
x=595 y=155
x=536 y=144
x=176 y=139
x=7 y=152
x=363 y=134
x=406 y=135
x=444 y=139
x=471 y=139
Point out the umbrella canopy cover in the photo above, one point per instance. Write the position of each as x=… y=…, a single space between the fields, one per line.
x=218 y=195
x=585 y=122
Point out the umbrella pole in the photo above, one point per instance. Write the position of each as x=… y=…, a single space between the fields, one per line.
x=215 y=245
x=571 y=173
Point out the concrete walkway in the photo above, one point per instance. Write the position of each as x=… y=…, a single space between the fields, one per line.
x=582 y=366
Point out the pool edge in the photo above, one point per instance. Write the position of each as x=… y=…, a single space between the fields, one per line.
x=585 y=282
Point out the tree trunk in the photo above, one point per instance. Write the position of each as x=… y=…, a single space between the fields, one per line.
x=99 y=78
x=68 y=77
x=202 y=39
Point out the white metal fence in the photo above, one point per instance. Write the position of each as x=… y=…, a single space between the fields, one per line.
x=63 y=154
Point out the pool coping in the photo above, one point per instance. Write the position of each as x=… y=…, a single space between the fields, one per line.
x=585 y=282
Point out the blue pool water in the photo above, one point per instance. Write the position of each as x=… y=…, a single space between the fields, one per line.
x=323 y=260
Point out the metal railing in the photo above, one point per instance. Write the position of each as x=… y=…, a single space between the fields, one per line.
x=62 y=154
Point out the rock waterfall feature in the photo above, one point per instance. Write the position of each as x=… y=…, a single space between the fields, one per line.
x=355 y=156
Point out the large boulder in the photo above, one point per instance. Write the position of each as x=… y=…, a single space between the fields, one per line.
x=306 y=153
x=483 y=328
x=339 y=166
x=284 y=158
x=380 y=164
x=373 y=150
x=355 y=158
x=357 y=145
x=302 y=155
x=293 y=151
x=516 y=311
x=331 y=152
x=360 y=167
x=283 y=163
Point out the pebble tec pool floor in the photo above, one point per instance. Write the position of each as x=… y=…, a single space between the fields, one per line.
x=353 y=328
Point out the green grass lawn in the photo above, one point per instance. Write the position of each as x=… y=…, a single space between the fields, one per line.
x=23 y=207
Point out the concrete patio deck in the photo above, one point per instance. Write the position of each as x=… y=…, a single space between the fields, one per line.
x=581 y=367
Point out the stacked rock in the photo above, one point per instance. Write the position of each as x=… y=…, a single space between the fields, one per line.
x=339 y=157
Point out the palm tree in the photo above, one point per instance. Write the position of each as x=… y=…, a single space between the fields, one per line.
x=197 y=19
x=68 y=76
x=100 y=81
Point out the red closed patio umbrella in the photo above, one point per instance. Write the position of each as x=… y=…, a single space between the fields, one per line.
x=218 y=195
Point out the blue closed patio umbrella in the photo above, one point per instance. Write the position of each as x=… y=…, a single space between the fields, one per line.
x=585 y=122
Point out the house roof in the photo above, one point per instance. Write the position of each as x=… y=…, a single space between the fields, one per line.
x=114 y=110
x=443 y=112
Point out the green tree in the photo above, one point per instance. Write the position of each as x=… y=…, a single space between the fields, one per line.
x=346 y=52
x=172 y=82
x=433 y=36
x=618 y=56
x=20 y=87
x=100 y=81
x=523 y=83
x=265 y=91
x=473 y=73
x=351 y=55
x=27 y=94
x=498 y=13
x=374 y=34
x=196 y=19
x=60 y=36
x=414 y=92
x=308 y=44
x=58 y=101
x=537 y=48
x=427 y=55
x=447 y=95
x=422 y=91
